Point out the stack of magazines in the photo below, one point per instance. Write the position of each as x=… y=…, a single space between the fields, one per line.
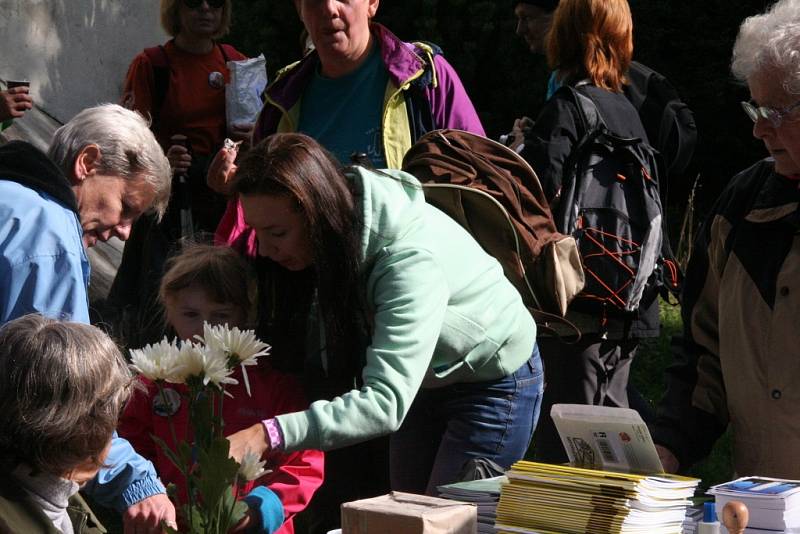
x=545 y=498
x=773 y=504
x=485 y=493
x=614 y=482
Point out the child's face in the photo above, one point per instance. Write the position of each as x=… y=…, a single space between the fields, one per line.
x=190 y=307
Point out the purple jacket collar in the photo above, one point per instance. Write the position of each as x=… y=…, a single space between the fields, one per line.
x=400 y=60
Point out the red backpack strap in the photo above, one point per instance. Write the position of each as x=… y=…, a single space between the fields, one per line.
x=227 y=51
x=159 y=61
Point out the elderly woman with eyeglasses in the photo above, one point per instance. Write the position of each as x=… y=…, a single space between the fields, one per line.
x=741 y=299
x=62 y=388
x=181 y=85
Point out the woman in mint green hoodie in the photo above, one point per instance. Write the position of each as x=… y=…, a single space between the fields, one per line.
x=400 y=318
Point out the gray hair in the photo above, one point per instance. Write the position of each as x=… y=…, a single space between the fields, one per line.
x=62 y=388
x=127 y=148
x=770 y=41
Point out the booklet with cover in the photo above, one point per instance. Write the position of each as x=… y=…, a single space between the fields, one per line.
x=773 y=503
x=605 y=438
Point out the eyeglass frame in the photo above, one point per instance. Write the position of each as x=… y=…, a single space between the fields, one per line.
x=775 y=116
x=195 y=4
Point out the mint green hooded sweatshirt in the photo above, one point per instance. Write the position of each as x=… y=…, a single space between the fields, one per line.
x=443 y=313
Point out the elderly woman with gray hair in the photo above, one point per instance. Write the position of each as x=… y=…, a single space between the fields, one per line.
x=62 y=387
x=741 y=298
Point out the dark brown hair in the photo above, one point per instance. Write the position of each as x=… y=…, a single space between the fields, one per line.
x=297 y=166
x=592 y=39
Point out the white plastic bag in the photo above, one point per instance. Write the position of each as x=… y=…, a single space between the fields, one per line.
x=243 y=94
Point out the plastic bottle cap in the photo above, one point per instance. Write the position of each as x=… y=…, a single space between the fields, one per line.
x=709 y=512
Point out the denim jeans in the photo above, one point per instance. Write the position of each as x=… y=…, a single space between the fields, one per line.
x=448 y=426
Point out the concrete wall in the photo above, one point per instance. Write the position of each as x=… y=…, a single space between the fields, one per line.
x=74 y=52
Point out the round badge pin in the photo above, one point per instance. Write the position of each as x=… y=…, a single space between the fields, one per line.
x=167 y=402
x=216 y=80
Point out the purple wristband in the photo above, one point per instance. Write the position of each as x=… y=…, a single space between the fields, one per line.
x=274 y=434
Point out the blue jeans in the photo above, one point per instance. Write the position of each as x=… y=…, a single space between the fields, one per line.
x=448 y=426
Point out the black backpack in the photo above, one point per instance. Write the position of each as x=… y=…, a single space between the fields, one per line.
x=668 y=121
x=610 y=203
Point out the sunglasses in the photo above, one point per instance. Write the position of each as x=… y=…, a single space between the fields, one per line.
x=213 y=4
x=775 y=116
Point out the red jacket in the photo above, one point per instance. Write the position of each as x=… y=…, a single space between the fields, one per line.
x=294 y=477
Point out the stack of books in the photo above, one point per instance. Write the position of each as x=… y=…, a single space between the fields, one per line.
x=545 y=498
x=485 y=493
x=773 y=504
x=694 y=514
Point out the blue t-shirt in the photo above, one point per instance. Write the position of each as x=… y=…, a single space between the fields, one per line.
x=344 y=114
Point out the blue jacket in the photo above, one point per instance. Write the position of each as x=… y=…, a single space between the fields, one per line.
x=44 y=269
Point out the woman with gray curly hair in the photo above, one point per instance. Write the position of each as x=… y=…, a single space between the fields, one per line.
x=62 y=388
x=741 y=298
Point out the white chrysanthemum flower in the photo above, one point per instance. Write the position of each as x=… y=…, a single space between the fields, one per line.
x=250 y=468
x=157 y=362
x=215 y=367
x=241 y=346
x=190 y=357
x=208 y=363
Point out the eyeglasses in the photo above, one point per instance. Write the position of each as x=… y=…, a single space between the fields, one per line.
x=194 y=4
x=773 y=115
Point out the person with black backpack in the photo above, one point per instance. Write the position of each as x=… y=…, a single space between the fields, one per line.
x=590 y=150
x=668 y=121
x=181 y=86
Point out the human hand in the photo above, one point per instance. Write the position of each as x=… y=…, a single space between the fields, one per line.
x=146 y=516
x=251 y=518
x=669 y=461
x=251 y=439
x=178 y=155
x=222 y=170
x=521 y=127
x=242 y=131
x=15 y=102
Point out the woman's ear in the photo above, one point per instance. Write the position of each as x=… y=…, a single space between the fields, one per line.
x=373 y=7
x=86 y=163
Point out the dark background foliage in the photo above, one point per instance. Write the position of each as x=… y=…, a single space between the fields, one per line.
x=689 y=41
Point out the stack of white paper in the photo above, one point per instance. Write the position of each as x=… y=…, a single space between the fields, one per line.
x=773 y=504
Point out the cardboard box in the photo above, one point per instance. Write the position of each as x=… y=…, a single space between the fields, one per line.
x=406 y=513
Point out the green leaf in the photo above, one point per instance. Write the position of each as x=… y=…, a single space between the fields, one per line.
x=216 y=472
x=174 y=458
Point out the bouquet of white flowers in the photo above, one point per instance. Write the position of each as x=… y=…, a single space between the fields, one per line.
x=205 y=367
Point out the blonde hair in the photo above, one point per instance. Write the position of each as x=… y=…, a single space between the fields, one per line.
x=171 y=22
x=223 y=274
x=592 y=39
x=62 y=388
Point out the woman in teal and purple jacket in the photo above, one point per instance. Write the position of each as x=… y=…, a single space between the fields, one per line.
x=361 y=91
